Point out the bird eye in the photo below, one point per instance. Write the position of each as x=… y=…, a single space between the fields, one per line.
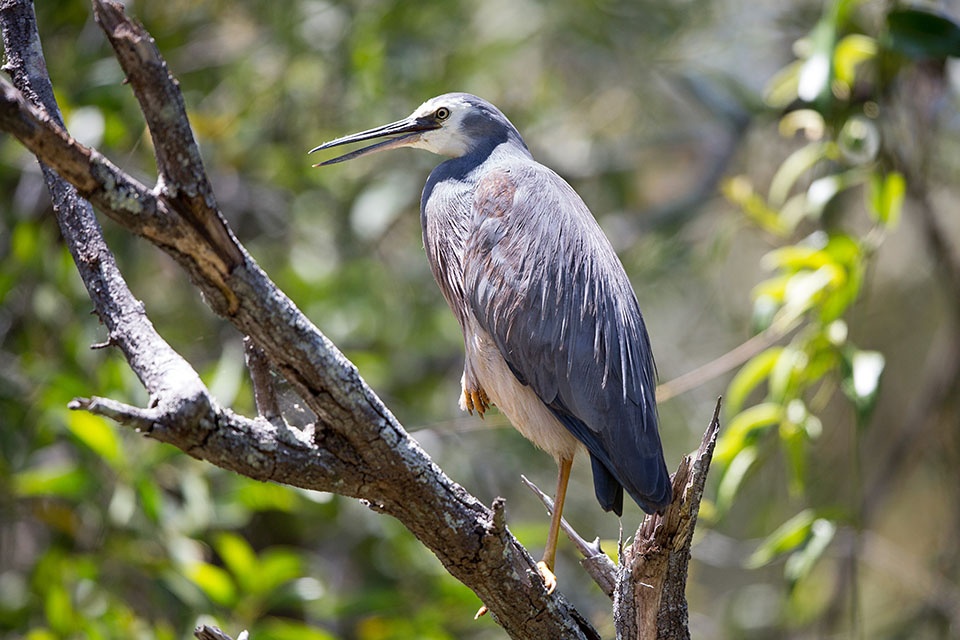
x=442 y=113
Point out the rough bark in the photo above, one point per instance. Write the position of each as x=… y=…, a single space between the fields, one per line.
x=357 y=448
x=650 y=597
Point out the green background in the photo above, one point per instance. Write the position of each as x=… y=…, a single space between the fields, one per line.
x=837 y=511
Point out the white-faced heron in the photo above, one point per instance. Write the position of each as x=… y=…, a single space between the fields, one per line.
x=552 y=328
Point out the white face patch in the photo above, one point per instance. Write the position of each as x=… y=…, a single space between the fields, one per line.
x=449 y=139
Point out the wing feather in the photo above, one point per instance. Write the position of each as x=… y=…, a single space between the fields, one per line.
x=543 y=280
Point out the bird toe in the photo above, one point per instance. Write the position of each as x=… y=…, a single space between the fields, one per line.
x=548 y=576
x=476 y=400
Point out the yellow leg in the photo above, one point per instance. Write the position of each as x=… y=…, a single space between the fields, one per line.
x=545 y=566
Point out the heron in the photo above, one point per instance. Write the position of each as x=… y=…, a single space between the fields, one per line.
x=552 y=330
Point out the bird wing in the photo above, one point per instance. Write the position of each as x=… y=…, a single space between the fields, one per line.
x=543 y=280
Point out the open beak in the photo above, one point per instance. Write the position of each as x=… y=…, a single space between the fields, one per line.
x=403 y=133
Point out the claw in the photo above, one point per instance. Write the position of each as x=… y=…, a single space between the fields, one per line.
x=546 y=574
x=476 y=400
x=482 y=611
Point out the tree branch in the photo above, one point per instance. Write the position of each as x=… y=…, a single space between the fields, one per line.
x=183 y=179
x=206 y=632
x=358 y=448
x=40 y=127
x=650 y=601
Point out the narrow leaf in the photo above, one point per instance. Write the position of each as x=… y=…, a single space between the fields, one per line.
x=800 y=564
x=787 y=537
x=53 y=480
x=214 y=582
x=733 y=477
x=749 y=377
x=239 y=558
x=97 y=434
x=886 y=196
x=744 y=429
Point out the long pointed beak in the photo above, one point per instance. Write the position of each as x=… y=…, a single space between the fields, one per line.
x=405 y=132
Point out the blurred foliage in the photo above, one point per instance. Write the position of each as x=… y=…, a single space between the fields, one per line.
x=642 y=106
x=834 y=98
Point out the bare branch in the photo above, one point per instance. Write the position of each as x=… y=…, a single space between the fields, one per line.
x=596 y=563
x=183 y=180
x=206 y=632
x=650 y=600
x=39 y=127
x=728 y=361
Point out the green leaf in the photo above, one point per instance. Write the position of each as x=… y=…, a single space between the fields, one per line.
x=787 y=537
x=240 y=558
x=59 y=610
x=804 y=288
x=800 y=564
x=921 y=34
x=733 y=477
x=885 y=197
x=740 y=192
x=265 y=496
x=151 y=498
x=749 y=377
x=277 y=629
x=772 y=289
x=59 y=481
x=277 y=567
x=850 y=52
x=796 y=258
x=781 y=90
x=25 y=243
x=745 y=428
x=843 y=249
x=793 y=439
x=97 y=434
x=783 y=374
x=796 y=164
x=214 y=582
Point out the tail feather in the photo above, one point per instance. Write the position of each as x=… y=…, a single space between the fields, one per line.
x=609 y=491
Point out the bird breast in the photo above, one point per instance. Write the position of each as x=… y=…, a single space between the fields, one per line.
x=525 y=410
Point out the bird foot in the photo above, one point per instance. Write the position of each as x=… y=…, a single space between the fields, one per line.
x=548 y=576
x=482 y=611
x=476 y=399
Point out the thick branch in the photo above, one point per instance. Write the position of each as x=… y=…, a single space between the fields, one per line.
x=160 y=368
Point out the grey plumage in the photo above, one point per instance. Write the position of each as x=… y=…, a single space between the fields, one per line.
x=552 y=329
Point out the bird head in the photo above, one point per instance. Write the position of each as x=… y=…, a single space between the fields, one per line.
x=453 y=125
